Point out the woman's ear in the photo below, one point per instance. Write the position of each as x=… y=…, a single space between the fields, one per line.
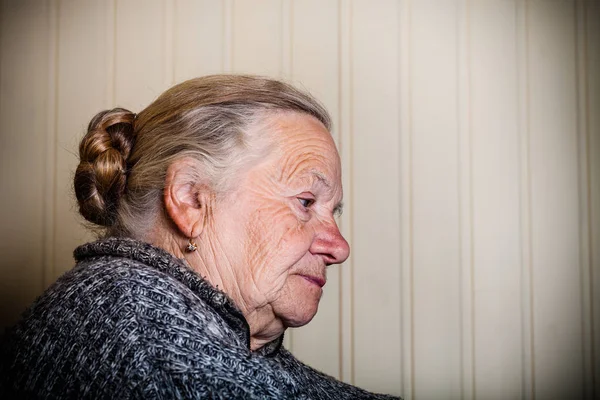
x=186 y=194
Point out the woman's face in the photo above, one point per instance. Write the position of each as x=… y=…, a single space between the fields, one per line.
x=277 y=228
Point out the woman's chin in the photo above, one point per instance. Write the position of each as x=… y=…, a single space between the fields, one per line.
x=301 y=318
x=298 y=302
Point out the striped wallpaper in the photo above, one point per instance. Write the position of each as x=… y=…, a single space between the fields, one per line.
x=469 y=132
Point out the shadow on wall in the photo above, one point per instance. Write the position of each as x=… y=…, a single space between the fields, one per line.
x=21 y=284
x=26 y=272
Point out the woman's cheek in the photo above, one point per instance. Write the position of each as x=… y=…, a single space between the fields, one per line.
x=296 y=241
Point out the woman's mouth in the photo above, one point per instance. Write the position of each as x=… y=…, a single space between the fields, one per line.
x=320 y=282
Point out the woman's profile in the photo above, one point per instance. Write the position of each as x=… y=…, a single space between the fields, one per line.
x=215 y=208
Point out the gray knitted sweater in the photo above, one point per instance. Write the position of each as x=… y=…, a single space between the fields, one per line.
x=130 y=321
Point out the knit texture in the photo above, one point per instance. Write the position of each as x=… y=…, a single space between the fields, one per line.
x=130 y=321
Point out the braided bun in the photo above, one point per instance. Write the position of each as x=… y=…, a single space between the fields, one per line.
x=100 y=178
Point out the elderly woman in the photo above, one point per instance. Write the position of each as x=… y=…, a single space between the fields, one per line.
x=217 y=205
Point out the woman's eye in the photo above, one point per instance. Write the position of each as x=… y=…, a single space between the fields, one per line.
x=306 y=202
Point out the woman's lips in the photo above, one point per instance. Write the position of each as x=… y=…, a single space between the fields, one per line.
x=320 y=282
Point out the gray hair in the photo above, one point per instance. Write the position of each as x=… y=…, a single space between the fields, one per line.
x=124 y=158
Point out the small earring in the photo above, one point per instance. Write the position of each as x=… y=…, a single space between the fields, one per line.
x=191 y=246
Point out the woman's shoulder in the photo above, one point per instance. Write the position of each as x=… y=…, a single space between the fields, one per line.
x=321 y=385
x=107 y=280
x=123 y=278
x=117 y=287
x=110 y=309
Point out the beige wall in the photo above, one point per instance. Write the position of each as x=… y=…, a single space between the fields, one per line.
x=470 y=137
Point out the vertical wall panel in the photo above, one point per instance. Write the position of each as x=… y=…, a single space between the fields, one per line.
x=495 y=174
x=51 y=145
x=437 y=318
x=315 y=68
x=554 y=196
x=140 y=62
x=522 y=106
x=227 y=35
x=376 y=254
x=465 y=199
x=346 y=147
x=287 y=38
x=584 y=201
x=81 y=94
x=406 y=205
x=593 y=139
x=169 y=42
x=198 y=38
x=257 y=37
x=24 y=66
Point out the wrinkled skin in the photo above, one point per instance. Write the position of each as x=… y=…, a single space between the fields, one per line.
x=274 y=235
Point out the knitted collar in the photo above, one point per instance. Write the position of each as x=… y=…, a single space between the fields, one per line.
x=165 y=262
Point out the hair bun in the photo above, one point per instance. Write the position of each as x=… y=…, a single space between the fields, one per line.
x=101 y=176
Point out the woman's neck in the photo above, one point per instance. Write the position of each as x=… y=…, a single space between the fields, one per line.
x=264 y=325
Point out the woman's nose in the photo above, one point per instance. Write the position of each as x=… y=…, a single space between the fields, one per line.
x=330 y=244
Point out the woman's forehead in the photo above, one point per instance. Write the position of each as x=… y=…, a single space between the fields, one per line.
x=303 y=147
x=299 y=134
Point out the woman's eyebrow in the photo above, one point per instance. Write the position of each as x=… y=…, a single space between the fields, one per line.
x=337 y=210
x=321 y=178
